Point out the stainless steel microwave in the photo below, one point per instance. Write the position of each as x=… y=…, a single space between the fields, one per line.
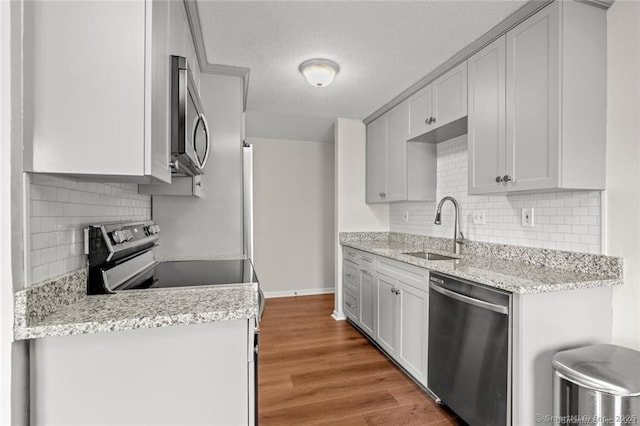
x=190 y=136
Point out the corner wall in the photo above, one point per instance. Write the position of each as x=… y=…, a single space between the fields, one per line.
x=351 y=211
x=622 y=197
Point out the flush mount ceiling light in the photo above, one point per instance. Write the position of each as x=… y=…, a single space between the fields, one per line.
x=319 y=72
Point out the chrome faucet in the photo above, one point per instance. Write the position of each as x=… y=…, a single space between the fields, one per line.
x=457 y=241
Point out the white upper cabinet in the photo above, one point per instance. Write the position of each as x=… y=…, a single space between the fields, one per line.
x=376 y=167
x=397 y=132
x=537 y=104
x=398 y=170
x=440 y=103
x=450 y=96
x=420 y=112
x=487 y=128
x=97 y=93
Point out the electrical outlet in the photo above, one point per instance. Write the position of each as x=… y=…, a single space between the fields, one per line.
x=527 y=216
x=478 y=217
x=405 y=215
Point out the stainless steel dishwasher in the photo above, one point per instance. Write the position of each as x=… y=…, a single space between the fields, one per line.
x=469 y=359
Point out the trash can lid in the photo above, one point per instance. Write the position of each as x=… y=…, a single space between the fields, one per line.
x=606 y=368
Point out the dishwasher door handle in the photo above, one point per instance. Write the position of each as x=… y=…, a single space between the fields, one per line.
x=504 y=310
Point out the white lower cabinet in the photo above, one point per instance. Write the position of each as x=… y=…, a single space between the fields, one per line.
x=402 y=322
x=386 y=327
x=183 y=375
x=389 y=301
x=367 y=301
x=413 y=332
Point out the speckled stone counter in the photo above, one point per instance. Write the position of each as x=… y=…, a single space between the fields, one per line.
x=61 y=307
x=512 y=268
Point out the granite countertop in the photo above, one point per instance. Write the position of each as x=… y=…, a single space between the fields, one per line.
x=579 y=271
x=61 y=307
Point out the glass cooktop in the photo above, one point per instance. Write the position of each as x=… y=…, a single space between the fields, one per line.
x=192 y=273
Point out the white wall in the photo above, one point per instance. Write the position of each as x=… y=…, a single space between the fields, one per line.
x=622 y=198
x=352 y=213
x=293 y=216
x=6 y=289
x=563 y=220
x=211 y=225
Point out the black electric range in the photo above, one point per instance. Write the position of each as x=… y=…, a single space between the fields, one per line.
x=121 y=258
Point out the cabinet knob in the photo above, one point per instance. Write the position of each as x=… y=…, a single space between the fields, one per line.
x=430 y=120
x=382 y=195
x=498 y=178
x=433 y=120
x=507 y=178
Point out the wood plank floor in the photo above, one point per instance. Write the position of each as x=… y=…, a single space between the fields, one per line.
x=314 y=370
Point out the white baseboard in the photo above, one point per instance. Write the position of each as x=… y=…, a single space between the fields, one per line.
x=338 y=316
x=302 y=292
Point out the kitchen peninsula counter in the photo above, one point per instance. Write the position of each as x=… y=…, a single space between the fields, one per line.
x=516 y=269
x=61 y=307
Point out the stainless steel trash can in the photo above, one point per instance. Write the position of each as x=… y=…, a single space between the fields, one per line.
x=596 y=385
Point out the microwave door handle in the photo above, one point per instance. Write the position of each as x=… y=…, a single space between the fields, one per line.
x=208 y=140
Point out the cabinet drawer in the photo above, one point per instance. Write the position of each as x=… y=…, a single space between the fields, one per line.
x=351 y=255
x=350 y=304
x=368 y=261
x=350 y=275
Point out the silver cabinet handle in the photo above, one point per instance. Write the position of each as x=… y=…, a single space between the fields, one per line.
x=350 y=276
x=433 y=120
x=349 y=304
x=427 y=121
x=364 y=271
x=382 y=195
x=507 y=178
x=498 y=178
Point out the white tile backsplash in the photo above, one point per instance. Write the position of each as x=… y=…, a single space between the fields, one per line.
x=60 y=209
x=563 y=220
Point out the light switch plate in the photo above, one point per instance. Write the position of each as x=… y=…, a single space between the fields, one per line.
x=527 y=217
x=478 y=217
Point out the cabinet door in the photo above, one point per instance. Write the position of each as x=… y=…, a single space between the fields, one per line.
x=157 y=114
x=387 y=313
x=450 y=96
x=397 y=133
x=533 y=116
x=413 y=329
x=367 y=302
x=420 y=110
x=486 y=125
x=377 y=160
x=85 y=87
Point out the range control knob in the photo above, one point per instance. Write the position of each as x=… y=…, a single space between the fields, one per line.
x=154 y=229
x=128 y=235
x=118 y=237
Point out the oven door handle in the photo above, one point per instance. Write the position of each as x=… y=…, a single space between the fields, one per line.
x=504 y=310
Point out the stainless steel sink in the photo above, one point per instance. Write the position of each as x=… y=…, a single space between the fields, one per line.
x=431 y=256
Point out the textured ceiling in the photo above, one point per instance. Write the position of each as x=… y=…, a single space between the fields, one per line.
x=382 y=47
